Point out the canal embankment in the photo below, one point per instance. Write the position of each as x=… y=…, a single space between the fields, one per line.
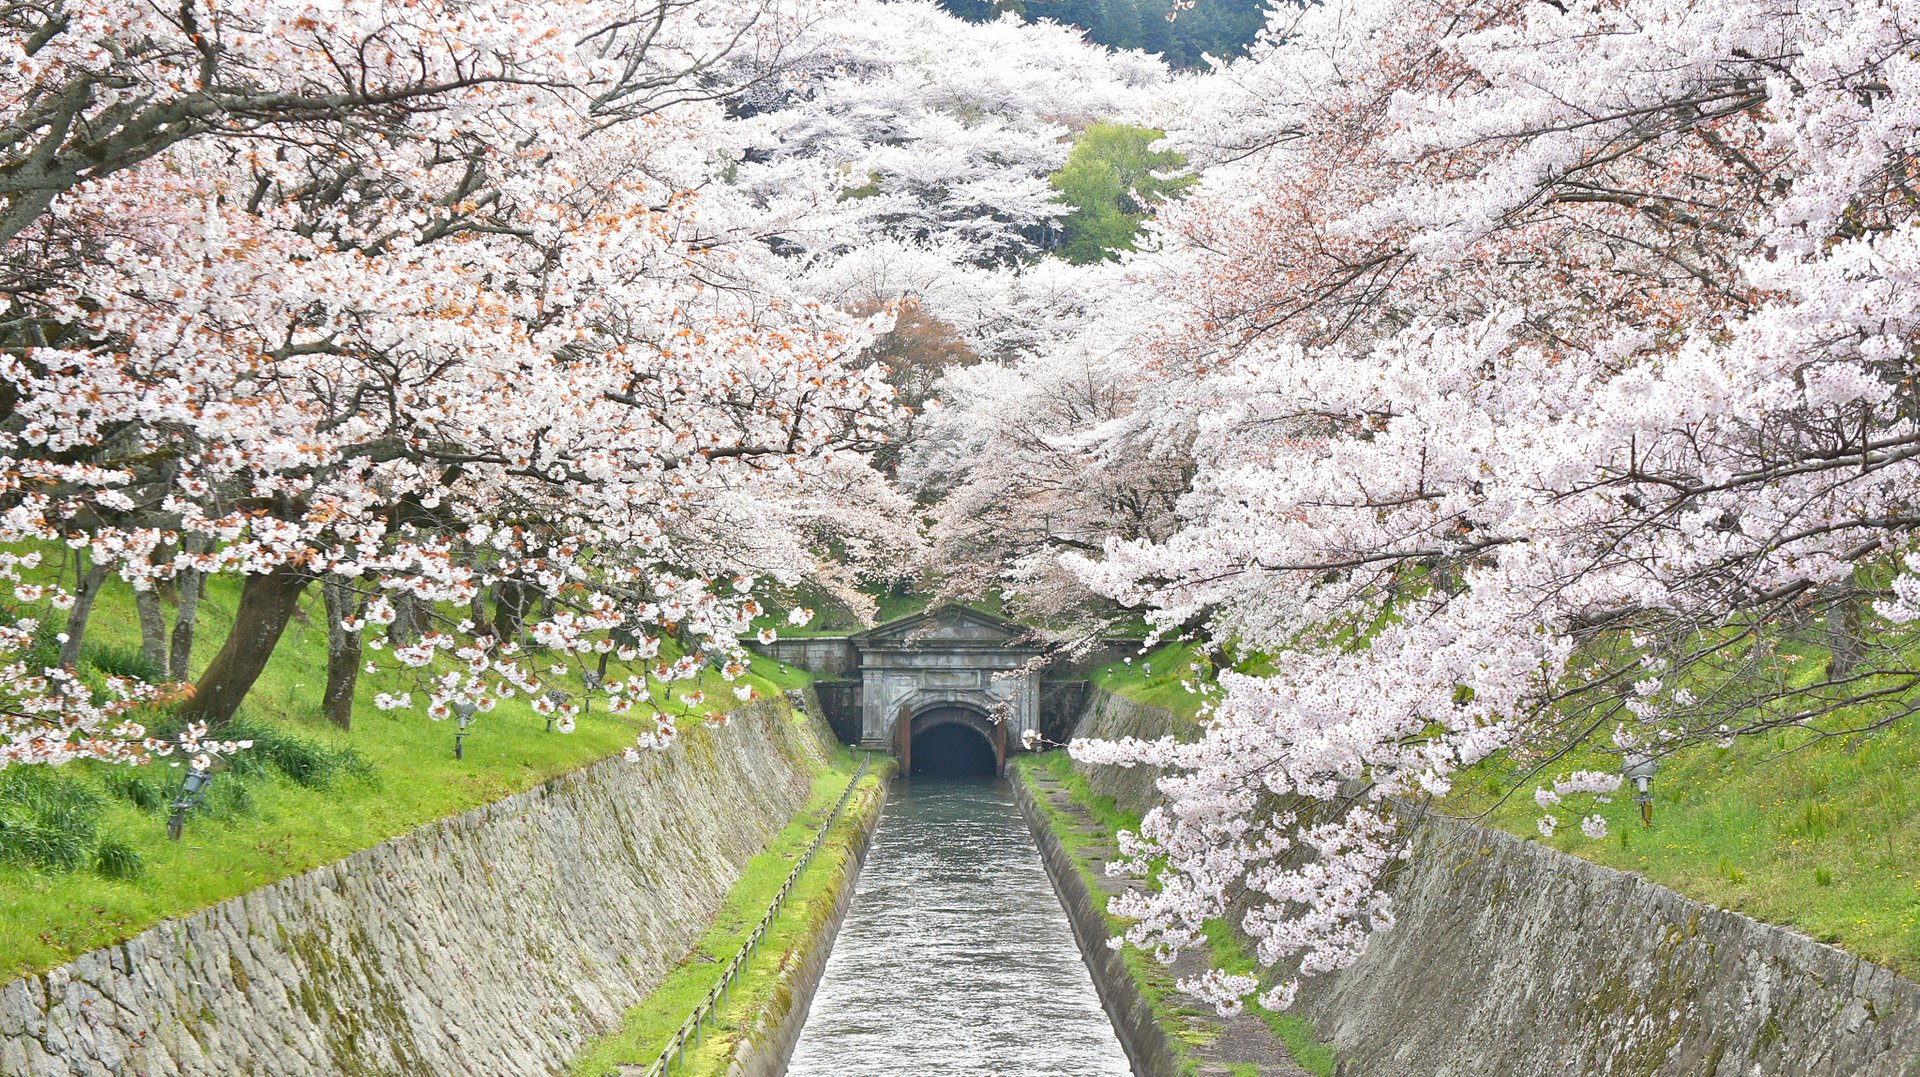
x=497 y=941
x=1511 y=957
x=778 y=923
x=1165 y=1033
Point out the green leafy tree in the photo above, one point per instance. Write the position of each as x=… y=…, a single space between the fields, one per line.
x=1112 y=179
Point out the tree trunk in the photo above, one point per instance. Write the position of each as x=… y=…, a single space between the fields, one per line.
x=91 y=580
x=406 y=619
x=343 y=651
x=266 y=605
x=509 y=609
x=189 y=582
x=1844 y=635
x=477 y=611
x=153 y=628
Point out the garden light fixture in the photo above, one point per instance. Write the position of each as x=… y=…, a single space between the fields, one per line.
x=1640 y=769
x=463 y=713
x=193 y=788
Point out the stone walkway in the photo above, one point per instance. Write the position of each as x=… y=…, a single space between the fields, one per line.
x=1217 y=1044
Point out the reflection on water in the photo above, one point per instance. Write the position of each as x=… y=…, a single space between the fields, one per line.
x=955 y=957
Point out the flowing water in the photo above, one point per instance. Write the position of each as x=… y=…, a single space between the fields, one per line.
x=955 y=957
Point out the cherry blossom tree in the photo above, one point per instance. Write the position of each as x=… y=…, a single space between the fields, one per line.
x=1546 y=371
x=1049 y=453
x=481 y=325
x=933 y=130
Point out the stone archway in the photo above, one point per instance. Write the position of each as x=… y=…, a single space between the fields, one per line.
x=949 y=738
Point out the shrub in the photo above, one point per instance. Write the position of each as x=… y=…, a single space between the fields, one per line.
x=305 y=761
x=122 y=662
x=115 y=858
x=47 y=821
x=143 y=787
x=44 y=653
x=229 y=795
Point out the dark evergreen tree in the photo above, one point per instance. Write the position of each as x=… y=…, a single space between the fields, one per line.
x=1220 y=28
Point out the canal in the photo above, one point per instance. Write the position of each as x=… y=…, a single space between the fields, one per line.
x=955 y=957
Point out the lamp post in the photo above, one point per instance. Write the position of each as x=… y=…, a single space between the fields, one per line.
x=1640 y=769
x=558 y=698
x=193 y=788
x=463 y=713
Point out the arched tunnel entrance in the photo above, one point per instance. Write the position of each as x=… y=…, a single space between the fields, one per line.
x=955 y=741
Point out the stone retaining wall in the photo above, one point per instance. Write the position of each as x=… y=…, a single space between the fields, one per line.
x=1513 y=958
x=496 y=942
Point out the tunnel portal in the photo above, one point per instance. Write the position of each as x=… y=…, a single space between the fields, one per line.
x=955 y=742
x=897 y=687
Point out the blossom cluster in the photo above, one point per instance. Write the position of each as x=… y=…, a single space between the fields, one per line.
x=1522 y=372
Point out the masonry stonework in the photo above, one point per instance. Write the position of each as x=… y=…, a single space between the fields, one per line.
x=494 y=942
x=1513 y=958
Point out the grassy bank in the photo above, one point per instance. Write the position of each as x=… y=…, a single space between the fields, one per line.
x=1187 y=1026
x=1823 y=837
x=1159 y=678
x=314 y=796
x=650 y=1026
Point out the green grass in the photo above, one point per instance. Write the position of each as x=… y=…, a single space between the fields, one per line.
x=1186 y=1026
x=266 y=825
x=1156 y=679
x=1825 y=838
x=650 y=1026
x=1230 y=955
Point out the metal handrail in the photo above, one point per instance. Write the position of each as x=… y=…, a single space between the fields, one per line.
x=690 y=1029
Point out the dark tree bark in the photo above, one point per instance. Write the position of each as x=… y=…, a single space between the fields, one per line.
x=266 y=605
x=1844 y=635
x=343 y=651
x=406 y=620
x=509 y=610
x=153 y=627
x=92 y=579
x=190 y=583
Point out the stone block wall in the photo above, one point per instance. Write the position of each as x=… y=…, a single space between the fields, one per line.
x=1513 y=958
x=494 y=942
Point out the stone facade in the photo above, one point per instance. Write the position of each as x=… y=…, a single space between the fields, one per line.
x=946 y=659
x=495 y=942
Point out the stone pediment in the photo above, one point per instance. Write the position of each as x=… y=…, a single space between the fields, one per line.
x=945 y=625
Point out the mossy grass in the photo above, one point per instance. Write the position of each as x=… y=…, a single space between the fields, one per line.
x=1230 y=955
x=650 y=1026
x=312 y=795
x=1158 y=678
x=1185 y=1025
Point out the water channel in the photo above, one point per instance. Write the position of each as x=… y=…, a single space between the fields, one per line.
x=955 y=957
